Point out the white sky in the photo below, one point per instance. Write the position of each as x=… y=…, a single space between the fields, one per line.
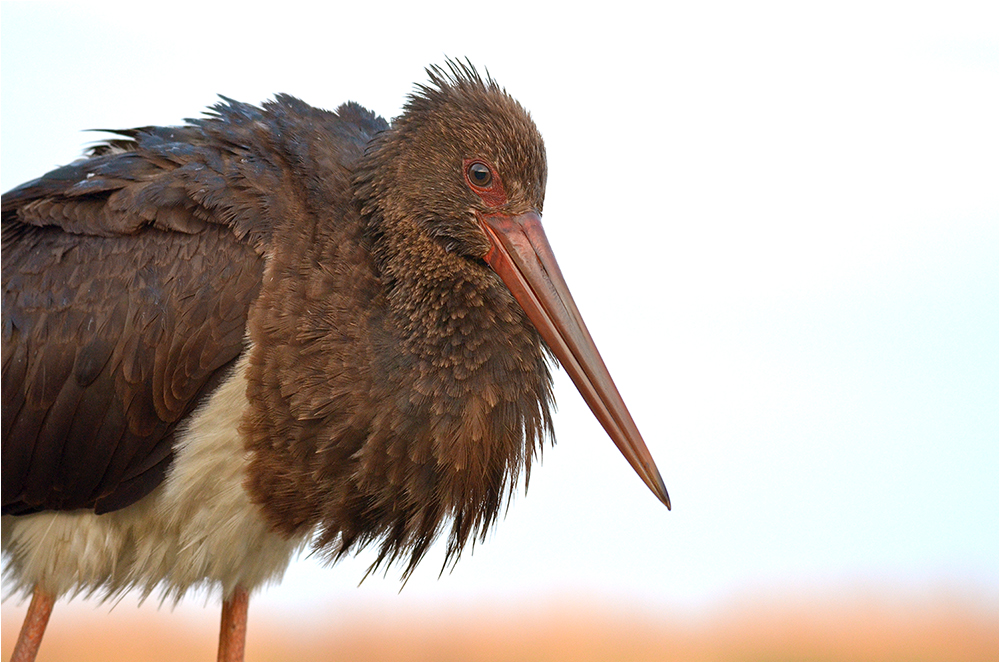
x=781 y=223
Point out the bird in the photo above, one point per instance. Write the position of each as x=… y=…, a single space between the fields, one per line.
x=278 y=328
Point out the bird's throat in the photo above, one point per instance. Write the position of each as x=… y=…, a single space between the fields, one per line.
x=405 y=400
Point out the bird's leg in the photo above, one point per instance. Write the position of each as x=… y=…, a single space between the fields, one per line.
x=233 y=634
x=34 y=625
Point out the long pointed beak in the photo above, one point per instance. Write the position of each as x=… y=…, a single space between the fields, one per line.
x=520 y=254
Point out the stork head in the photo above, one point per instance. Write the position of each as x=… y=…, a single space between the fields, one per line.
x=466 y=166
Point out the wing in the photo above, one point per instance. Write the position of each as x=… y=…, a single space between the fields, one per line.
x=127 y=280
x=108 y=342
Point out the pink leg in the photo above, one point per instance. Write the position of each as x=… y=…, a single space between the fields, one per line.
x=34 y=625
x=233 y=634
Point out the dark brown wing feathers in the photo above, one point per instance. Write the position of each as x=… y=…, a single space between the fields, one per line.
x=118 y=352
x=127 y=280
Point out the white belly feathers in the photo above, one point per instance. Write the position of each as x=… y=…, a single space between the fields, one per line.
x=198 y=528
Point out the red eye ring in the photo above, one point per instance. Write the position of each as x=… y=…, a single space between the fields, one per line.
x=484 y=181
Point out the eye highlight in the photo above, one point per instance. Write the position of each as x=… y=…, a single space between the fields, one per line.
x=479 y=174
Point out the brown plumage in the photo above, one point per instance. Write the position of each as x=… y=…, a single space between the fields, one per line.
x=396 y=381
x=434 y=393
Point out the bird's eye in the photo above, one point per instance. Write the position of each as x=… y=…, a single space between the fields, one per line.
x=479 y=174
x=485 y=182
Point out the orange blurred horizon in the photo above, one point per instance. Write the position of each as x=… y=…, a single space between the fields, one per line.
x=852 y=624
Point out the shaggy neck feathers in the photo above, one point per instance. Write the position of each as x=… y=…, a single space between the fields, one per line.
x=400 y=394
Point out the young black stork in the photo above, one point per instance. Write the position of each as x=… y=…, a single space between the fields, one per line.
x=281 y=327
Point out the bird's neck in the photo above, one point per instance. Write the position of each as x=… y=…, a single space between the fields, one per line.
x=395 y=396
x=434 y=296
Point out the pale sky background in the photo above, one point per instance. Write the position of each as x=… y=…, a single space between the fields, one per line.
x=780 y=221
